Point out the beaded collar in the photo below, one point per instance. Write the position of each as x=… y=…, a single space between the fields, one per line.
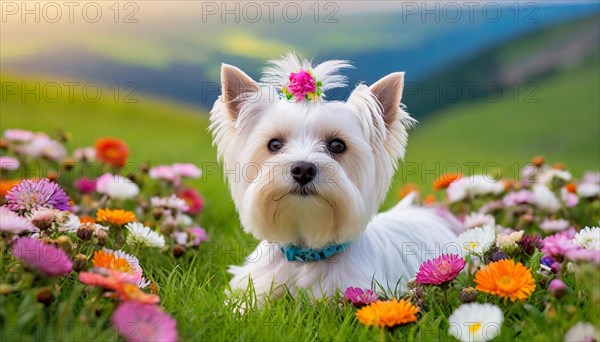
x=294 y=253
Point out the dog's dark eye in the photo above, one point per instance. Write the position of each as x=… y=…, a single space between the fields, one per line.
x=336 y=146
x=275 y=145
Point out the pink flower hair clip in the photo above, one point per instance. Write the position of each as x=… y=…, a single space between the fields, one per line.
x=303 y=86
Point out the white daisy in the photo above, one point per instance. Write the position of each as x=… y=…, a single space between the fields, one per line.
x=142 y=235
x=545 y=199
x=475 y=322
x=473 y=186
x=479 y=220
x=549 y=175
x=581 y=332
x=117 y=186
x=554 y=225
x=588 y=238
x=71 y=225
x=478 y=240
x=587 y=190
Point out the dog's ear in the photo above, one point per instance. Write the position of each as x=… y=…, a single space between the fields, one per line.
x=388 y=92
x=237 y=88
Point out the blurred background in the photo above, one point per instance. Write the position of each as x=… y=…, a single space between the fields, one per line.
x=491 y=83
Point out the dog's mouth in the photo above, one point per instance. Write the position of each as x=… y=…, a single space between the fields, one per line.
x=304 y=191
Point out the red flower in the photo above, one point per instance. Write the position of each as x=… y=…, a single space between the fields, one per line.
x=193 y=199
x=112 y=151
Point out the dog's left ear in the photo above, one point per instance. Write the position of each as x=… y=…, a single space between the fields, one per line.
x=388 y=91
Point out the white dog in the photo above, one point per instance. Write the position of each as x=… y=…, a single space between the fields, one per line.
x=308 y=176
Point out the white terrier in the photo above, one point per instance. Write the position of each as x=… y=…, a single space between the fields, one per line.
x=308 y=176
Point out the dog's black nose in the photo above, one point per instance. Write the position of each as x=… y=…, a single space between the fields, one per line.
x=303 y=172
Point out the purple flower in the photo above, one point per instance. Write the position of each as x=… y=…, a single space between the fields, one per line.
x=35 y=194
x=547 y=260
x=144 y=322
x=85 y=185
x=440 y=270
x=558 y=288
x=197 y=235
x=13 y=223
x=45 y=258
x=359 y=297
x=301 y=83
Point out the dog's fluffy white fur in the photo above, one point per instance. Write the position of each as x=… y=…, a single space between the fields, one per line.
x=344 y=197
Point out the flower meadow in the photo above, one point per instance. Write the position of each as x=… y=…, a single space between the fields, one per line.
x=90 y=236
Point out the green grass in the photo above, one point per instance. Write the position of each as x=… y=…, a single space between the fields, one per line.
x=562 y=125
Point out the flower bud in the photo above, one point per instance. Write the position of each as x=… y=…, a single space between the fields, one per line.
x=86 y=231
x=53 y=176
x=499 y=255
x=538 y=161
x=157 y=213
x=178 y=250
x=68 y=164
x=468 y=295
x=102 y=237
x=64 y=243
x=80 y=263
x=558 y=288
x=5 y=289
x=4 y=144
x=45 y=296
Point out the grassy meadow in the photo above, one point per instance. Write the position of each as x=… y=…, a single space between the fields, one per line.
x=562 y=125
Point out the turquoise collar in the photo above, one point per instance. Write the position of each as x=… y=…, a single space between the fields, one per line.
x=294 y=253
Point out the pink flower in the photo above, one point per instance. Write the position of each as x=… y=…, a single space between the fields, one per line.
x=85 y=185
x=143 y=322
x=554 y=225
x=359 y=297
x=186 y=170
x=558 y=288
x=519 y=197
x=47 y=259
x=9 y=163
x=300 y=84
x=163 y=172
x=197 y=235
x=18 y=135
x=13 y=223
x=559 y=244
x=582 y=254
x=440 y=270
x=35 y=194
x=193 y=199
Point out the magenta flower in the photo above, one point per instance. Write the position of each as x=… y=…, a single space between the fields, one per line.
x=144 y=322
x=559 y=244
x=193 y=199
x=197 y=235
x=50 y=260
x=12 y=223
x=35 y=194
x=85 y=185
x=440 y=270
x=558 y=288
x=359 y=297
x=301 y=83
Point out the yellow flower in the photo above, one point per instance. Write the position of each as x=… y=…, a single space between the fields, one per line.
x=504 y=279
x=115 y=216
x=387 y=313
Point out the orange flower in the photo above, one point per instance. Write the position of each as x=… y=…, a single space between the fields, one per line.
x=6 y=185
x=111 y=151
x=387 y=313
x=115 y=216
x=571 y=187
x=504 y=279
x=444 y=180
x=86 y=219
x=429 y=199
x=124 y=285
x=407 y=189
x=112 y=262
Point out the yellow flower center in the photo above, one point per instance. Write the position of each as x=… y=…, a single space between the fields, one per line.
x=505 y=282
x=472 y=245
x=474 y=327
